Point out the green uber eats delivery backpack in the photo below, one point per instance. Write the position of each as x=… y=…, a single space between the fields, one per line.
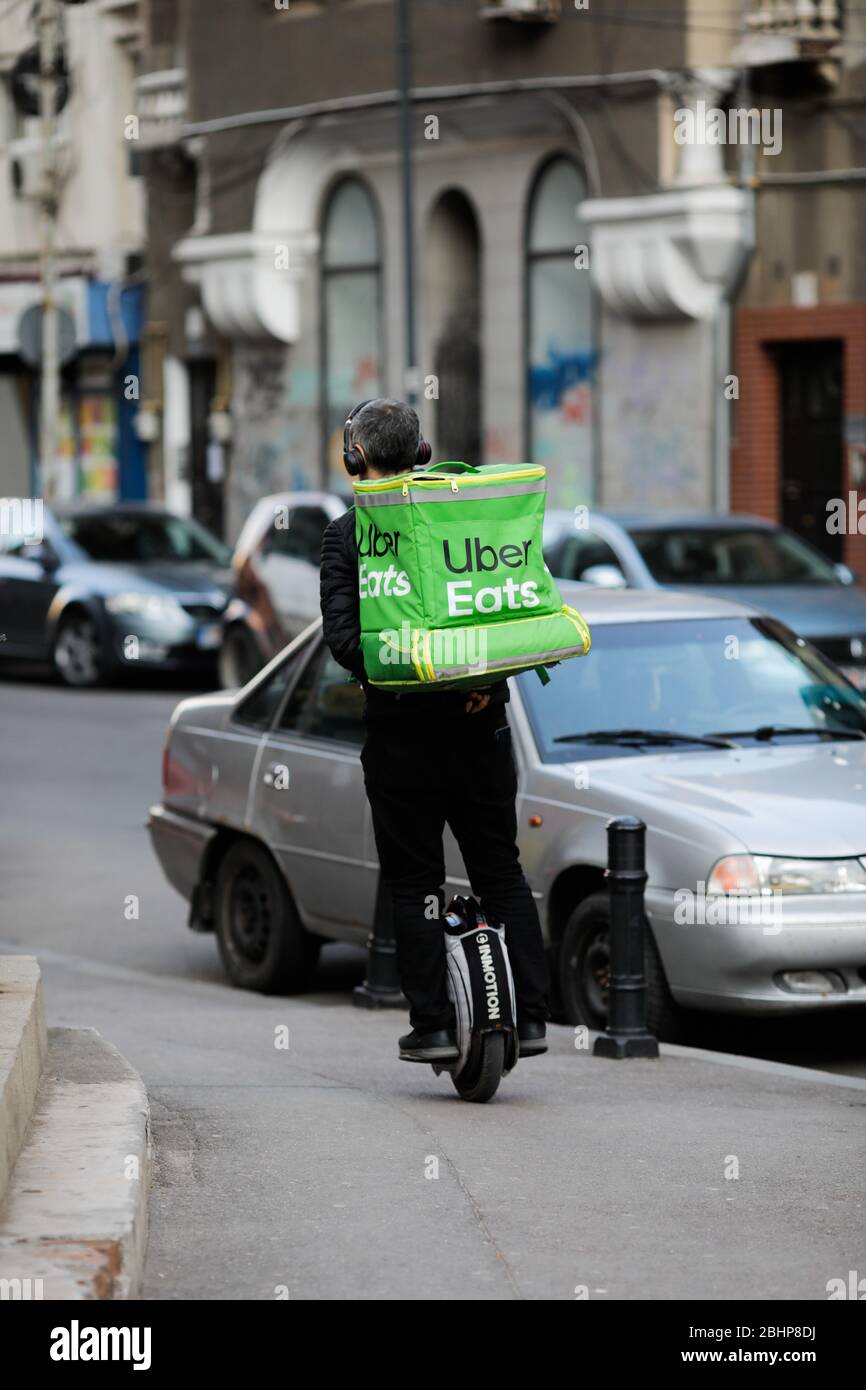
x=453 y=586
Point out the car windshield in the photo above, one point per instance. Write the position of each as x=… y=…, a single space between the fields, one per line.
x=705 y=678
x=730 y=555
x=140 y=537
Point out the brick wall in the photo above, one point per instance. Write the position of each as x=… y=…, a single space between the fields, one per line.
x=755 y=462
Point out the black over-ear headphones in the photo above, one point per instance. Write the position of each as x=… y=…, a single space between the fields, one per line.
x=353 y=454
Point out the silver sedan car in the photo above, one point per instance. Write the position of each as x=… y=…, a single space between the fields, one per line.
x=738 y=744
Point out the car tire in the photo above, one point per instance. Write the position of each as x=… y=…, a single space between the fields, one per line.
x=261 y=941
x=584 y=972
x=239 y=658
x=76 y=652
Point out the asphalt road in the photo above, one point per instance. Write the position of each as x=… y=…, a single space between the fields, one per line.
x=81 y=890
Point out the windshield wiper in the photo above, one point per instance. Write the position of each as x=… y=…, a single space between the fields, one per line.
x=648 y=736
x=766 y=732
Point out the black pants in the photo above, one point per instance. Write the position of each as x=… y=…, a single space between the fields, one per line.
x=419 y=776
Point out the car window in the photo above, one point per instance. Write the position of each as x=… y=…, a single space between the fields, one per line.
x=326 y=703
x=259 y=708
x=292 y=716
x=731 y=555
x=140 y=537
x=337 y=710
x=582 y=550
x=301 y=539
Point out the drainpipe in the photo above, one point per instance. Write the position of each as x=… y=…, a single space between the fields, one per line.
x=410 y=384
x=722 y=329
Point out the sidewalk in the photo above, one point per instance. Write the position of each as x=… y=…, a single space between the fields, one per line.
x=74 y=1154
x=605 y=1178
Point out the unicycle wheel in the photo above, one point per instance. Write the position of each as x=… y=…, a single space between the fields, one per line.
x=479 y=1079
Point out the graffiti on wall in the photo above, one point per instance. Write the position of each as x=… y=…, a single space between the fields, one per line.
x=275 y=409
x=561 y=422
x=657 y=419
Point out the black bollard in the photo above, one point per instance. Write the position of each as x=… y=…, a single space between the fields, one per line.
x=381 y=988
x=626 y=1034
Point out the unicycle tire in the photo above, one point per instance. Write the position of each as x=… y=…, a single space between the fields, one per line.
x=479 y=1079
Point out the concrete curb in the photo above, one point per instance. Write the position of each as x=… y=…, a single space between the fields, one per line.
x=23 y=1048
x=810 y=1075
x=75 y=1215
x=744 y=1061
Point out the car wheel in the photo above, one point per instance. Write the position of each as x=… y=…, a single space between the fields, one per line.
x=77 y=651
x=261 y=941
x=584 y=973
x=239 y=658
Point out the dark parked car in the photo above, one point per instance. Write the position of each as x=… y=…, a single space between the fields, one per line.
x=734 y=557
x=114 y=587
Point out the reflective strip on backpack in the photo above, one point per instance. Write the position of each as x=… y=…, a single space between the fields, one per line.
x=413 y=653
x=363 y=500
x=510 y=663
x=578 y=621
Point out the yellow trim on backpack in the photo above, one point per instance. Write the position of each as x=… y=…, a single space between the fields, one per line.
x=413 y=653
x=401 y=480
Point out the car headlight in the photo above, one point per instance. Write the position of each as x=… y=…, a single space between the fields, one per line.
x=767 y=873
x=156 y=607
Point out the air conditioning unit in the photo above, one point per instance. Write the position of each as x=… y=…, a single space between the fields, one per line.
x=27 y=169
x=539 y=11
x=27 y=166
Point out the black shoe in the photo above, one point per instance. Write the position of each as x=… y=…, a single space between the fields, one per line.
x=440 y=1046
x=532 y=1037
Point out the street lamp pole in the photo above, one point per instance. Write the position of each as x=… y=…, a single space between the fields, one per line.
x=405 y=85
x=49 y=40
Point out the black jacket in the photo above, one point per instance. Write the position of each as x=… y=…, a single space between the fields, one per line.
x=341 y=624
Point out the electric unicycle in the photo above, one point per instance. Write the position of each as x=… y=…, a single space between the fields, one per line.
x=481 y=988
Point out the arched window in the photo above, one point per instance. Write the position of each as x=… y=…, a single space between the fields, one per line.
x=560 y=335
x=351 y=309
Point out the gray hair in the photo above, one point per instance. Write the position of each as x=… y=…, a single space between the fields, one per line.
x=388 y=432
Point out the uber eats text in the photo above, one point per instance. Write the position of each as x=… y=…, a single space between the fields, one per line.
x=467 y=556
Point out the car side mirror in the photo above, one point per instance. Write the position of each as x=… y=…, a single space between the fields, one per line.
x=605 y=577
x=845 y=573
x=41 y=554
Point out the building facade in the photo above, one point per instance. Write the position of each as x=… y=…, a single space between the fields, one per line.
x=100 y=227
x=619 y=271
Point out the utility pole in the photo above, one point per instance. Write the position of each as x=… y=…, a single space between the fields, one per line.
x=49 y=48
x=405 y=85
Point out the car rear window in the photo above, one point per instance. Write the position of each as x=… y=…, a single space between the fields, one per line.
x=301 y=539
x=580 y=552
